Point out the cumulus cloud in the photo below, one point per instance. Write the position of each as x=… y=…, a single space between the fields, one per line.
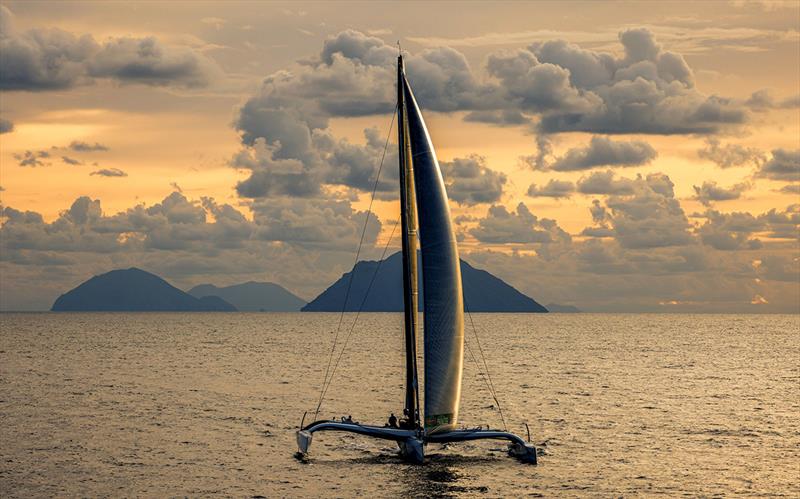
x=783 y=165
x=649 y=90
x=639 y=213
x=469 y=181
x=326 y=161
x=178 y=223
x=730 y=155
x=605 y=183
x=52 y=59
x=603 y=151
x=6 y=126
x=559 y=86
x=109 y=172
x=738 y=230
x=552 y=189
x=710 y=191
x=520 y=226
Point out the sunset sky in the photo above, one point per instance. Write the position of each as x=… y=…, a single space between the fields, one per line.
x=617 y=156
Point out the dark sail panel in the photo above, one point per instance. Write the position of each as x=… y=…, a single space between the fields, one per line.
x=441 y=278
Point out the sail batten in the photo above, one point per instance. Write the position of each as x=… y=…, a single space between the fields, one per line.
x=441 y=275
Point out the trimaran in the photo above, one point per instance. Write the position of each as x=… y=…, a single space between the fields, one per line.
x=423 y=199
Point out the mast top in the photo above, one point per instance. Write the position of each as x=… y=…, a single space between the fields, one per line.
x=400 y=64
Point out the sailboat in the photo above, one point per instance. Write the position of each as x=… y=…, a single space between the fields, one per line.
x=425 y=218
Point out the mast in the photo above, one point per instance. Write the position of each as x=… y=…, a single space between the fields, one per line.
x=408 y=223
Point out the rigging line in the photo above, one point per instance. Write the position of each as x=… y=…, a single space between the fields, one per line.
x=358 y=253
x=485 y=365
x=480 y=372
x=360 y=308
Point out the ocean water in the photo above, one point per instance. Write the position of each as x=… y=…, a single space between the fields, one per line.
x=207 y=404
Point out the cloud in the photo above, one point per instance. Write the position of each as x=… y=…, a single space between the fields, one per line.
x=553 y=189
x=80 y=146
x=313 y=224
x=71 y=161
x=710 y=191
x=790 y=189
x=32 y=158
x=325 y=161
x=6 y=126
x=469 y=181
x=603 y=151
x=500 y=226
x=180 y=223
x=737 y=230
x=109 y=172
x=649 y=90
x=559 y=86
x=53 y=59
x=763 y=100
x=605 y=183
x=783 y=165
x=639 y=213
x=730 y=155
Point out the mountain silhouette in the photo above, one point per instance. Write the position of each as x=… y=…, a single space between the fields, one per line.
x=253 y=296
x=483 y=292
x=134 y=290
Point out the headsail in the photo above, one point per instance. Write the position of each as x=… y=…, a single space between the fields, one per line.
x=441 y=276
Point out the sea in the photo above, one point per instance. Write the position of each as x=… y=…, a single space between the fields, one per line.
x=207 y=404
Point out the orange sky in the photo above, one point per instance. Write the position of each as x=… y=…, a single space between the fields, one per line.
x=170 y=131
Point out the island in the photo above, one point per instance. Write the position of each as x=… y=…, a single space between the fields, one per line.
x=483 y=292
x=134 y=290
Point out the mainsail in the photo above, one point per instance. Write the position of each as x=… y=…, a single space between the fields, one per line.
x=441 y=273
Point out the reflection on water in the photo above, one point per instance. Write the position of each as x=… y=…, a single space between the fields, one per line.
x=207 y=404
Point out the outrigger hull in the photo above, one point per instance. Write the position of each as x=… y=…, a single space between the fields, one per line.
x=412 y=442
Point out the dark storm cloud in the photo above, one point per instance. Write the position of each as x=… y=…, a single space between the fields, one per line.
x=6 y=126
x=730 y=155
x=603 y=151
x=500 y=226
x=552 y=189
x=710 y=191
x=80 y=146
x=109 y=172
x=52 y=59
x=469 y=181
x=783 y=165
